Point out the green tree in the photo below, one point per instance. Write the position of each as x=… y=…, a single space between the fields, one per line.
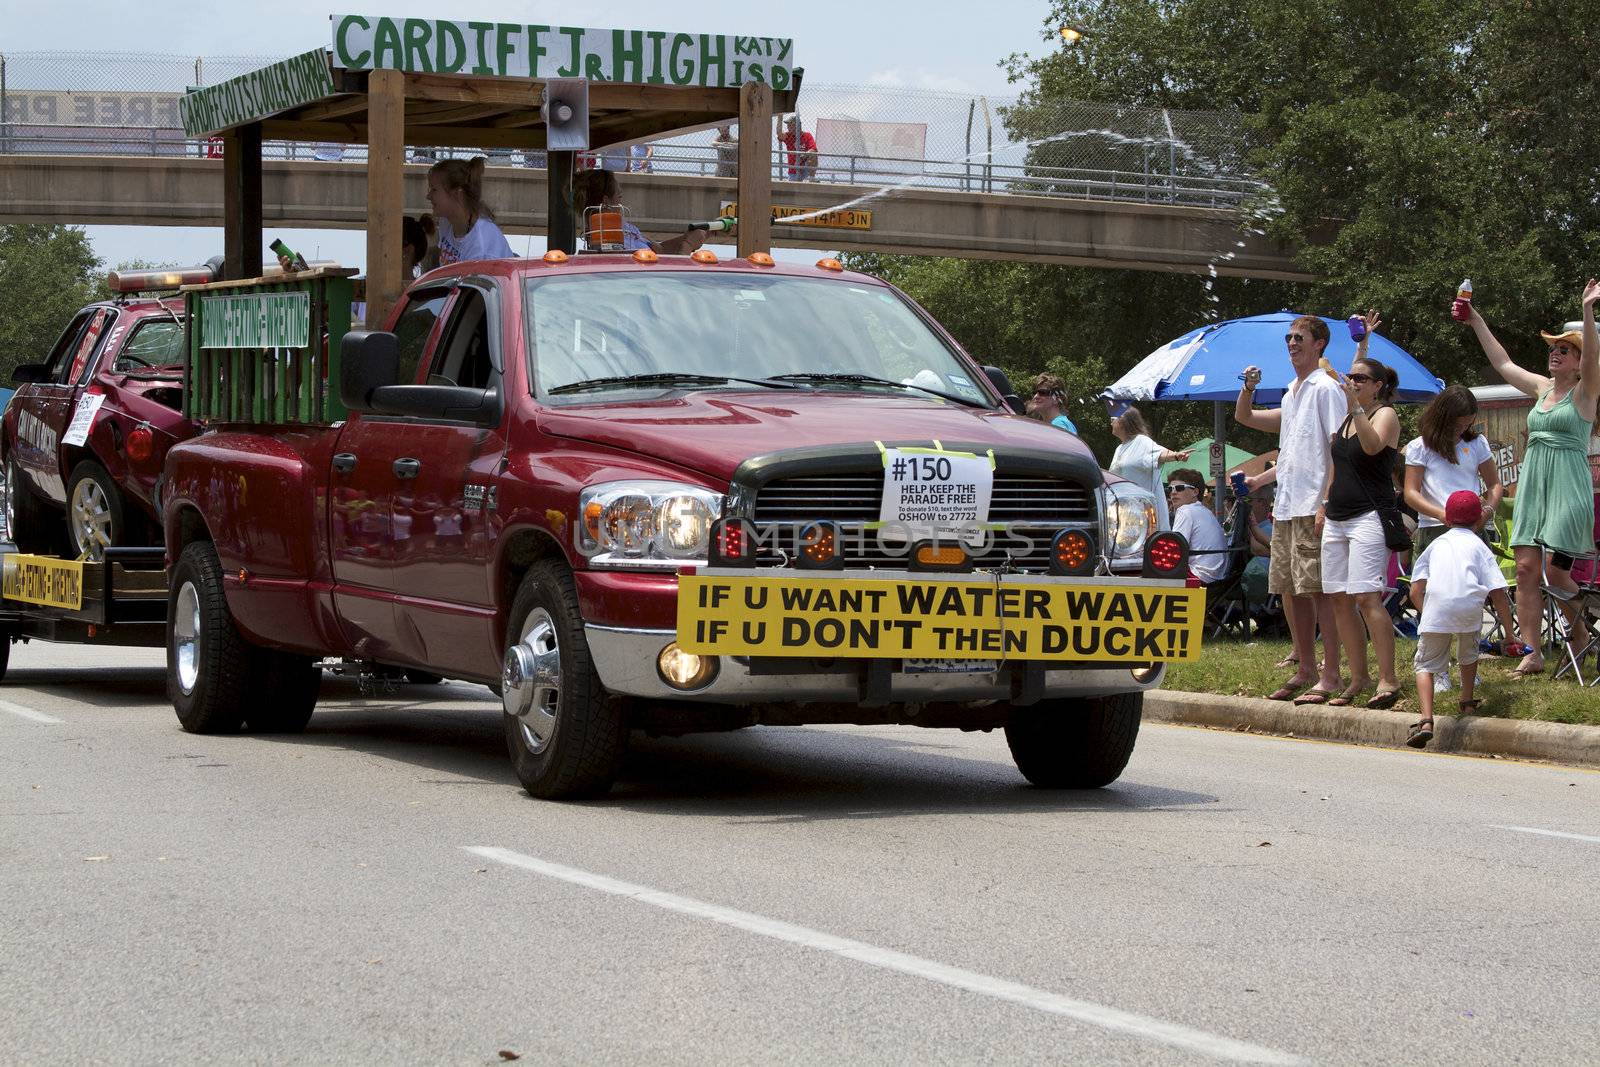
x=1407 y=145
x=46 y=274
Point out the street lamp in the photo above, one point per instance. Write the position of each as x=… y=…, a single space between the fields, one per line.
x=1071 y=35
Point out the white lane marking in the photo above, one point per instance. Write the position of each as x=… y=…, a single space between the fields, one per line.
x=1547 y=833
x=1141 y=1026
x=29 y=713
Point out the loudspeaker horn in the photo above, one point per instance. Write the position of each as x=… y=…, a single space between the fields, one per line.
x=566 y=114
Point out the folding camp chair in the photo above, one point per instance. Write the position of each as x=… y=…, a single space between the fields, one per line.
x=1227 y=600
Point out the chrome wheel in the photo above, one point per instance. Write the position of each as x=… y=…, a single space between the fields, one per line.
x=90 y=515
x=186 y=636
x=530 y=681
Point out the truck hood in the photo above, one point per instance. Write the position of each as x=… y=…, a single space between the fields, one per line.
x=714 y=432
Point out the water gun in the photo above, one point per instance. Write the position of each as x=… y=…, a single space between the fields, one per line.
x=715 y=225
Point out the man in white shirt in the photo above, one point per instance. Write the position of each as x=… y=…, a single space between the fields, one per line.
x=1450 y=582
x=1208 y=557
x=1313 y=407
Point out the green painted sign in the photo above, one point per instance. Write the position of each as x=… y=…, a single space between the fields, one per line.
x=304 y=79
x=256 y=320
x=522 y=50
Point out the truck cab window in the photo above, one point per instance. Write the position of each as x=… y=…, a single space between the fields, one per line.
x=155 y=343
x=462 y=358
x=413 y=329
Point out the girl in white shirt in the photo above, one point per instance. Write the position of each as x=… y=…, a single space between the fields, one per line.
x=466 y=226
x=1449 y=457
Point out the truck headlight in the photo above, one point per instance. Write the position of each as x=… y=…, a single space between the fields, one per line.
x=1129 y=517
x=642 y=522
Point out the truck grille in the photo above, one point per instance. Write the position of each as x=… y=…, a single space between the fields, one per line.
x=1036 y=507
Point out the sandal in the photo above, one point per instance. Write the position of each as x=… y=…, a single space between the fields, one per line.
x=1384 y=699
x=1469 y=707
x=1316 y=695
x=1348 y=697
x=1421 y=733
x=1286 y=691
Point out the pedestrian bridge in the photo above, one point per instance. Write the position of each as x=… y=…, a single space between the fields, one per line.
x=1100 y=232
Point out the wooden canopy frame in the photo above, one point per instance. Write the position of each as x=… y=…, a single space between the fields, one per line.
x=388 y=109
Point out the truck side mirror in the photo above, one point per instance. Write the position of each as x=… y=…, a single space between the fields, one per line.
x=30 y=374
x=367 y=359
x=1002 y=384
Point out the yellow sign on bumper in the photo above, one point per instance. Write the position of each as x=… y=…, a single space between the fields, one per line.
x=55 y=583
x=1033 y=618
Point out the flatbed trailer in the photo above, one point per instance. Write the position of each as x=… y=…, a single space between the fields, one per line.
x=118 y=600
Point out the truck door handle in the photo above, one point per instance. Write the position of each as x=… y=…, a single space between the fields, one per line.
x=407 y=468
x=344 y=462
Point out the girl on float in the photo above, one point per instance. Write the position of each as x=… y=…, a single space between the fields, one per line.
x=465 y=224
x=600 y=189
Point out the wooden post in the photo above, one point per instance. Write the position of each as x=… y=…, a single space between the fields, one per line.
x=386 y=157
x=241 y=202
x=755 y=168
x=562 y=230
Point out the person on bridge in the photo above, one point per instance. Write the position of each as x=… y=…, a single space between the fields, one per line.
x=1138 y=458
x=596 y=190
x=1555 y=511
x=802 y=159
x=466 y=226
x=1313 y=407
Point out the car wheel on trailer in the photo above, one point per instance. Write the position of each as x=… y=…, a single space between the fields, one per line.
x=284 y=693
x=1075 y=743
x=95 y=516
x=214 y=676
x=28 y=522
x=565 y=732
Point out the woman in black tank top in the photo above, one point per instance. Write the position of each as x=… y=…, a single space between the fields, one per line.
x=1355 y=560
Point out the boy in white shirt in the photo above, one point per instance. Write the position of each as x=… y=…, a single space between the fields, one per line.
x=1449 y=584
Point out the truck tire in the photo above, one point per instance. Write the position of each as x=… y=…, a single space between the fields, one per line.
x=211 y=669
x=284 y=693
x=565 y=732
x=5 y=653
x=95 y=514
x=1075 y=744
x=30 y=524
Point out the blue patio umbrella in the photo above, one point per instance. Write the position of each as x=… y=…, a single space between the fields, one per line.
x=1205 y=363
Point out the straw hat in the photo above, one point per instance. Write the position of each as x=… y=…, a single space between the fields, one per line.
x=1571 y=332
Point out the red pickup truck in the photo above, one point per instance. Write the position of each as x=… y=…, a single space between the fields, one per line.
x=86 y=434
x=584 y=482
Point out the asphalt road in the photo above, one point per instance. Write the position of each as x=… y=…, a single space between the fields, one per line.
x=379 y=890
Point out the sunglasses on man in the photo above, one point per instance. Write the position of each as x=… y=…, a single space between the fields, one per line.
x=1178 y=487
x=1290 y=338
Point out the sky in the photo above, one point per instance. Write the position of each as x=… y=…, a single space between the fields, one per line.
x=936 y=44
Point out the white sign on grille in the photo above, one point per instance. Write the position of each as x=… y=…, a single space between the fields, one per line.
x=930 y=492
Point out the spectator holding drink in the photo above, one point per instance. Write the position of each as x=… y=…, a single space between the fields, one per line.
x=1355 y=552
x=1312 y=409
x=1555 y=508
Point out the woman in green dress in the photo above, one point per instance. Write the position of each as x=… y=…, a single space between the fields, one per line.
x=1555 y=508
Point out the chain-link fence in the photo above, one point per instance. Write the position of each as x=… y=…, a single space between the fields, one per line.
x=126 y=104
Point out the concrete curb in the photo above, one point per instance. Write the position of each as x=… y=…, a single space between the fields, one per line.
x=1518 y=738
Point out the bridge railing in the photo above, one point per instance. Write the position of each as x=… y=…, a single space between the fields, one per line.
x=1148 y=185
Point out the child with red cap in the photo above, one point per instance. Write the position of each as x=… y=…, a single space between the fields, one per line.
x=1449 y=583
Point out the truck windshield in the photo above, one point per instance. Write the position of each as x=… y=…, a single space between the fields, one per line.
x=650 y=331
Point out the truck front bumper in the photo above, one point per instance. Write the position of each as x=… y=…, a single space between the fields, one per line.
x=626 y=662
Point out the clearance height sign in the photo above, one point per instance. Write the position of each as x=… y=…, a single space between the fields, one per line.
x=906 y=618
x=524 y=50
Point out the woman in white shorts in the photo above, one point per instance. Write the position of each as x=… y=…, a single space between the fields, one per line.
x=1355 y=560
